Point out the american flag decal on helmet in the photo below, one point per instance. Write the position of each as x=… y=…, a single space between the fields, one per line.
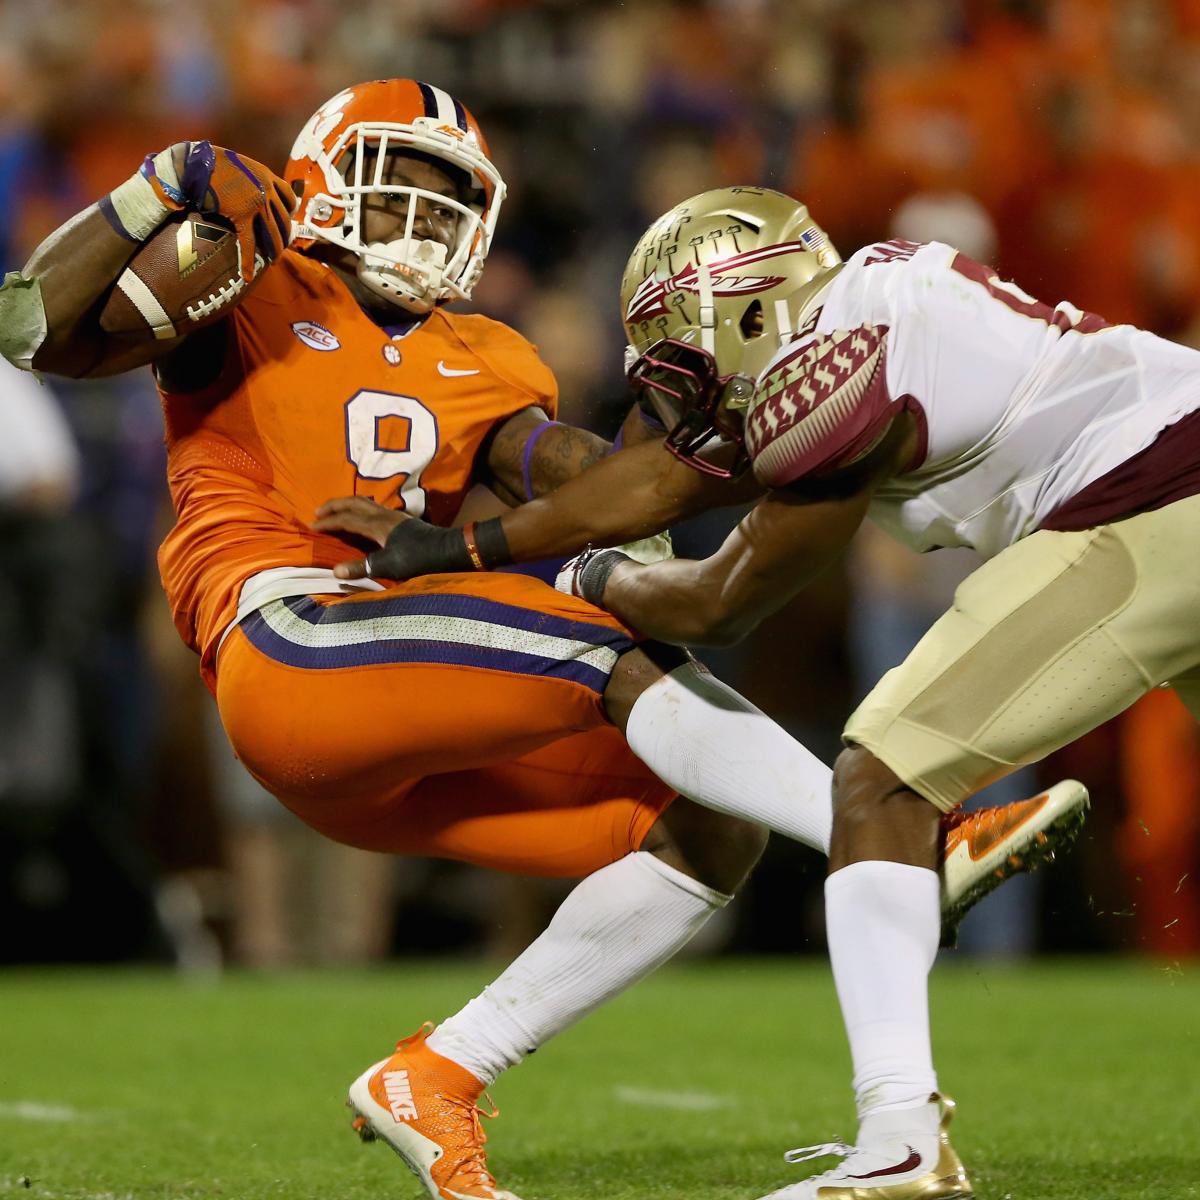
x=650 y=298
x=814 y=239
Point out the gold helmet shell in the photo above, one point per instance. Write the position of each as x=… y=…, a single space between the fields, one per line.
x=703 y=271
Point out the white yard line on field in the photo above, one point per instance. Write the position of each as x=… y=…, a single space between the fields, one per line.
x=31 y=1110
x=32 y=1189
x=653 y=1098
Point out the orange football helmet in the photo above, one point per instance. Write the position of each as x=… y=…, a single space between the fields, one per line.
x=340 y=157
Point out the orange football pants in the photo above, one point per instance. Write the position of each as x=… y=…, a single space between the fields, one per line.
x=456 y=716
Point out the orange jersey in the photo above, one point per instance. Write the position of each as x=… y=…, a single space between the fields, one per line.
x=316 y=400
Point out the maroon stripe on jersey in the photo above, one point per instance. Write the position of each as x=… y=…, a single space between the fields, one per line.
x=921 y=449
x=1012 y=297
x=1165 y=471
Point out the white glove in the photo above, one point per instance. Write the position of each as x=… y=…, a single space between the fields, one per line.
x=657 y=548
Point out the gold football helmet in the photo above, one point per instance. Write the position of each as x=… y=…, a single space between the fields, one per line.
x=711 y=291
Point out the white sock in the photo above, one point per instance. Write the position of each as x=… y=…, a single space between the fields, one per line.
x=883 y=922
x=708 y=743
x=615 y=927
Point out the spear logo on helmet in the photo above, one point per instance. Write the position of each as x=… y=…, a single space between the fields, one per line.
x=650 y=298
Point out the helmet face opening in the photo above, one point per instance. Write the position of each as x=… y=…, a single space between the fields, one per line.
x=751 y=324
x=682 y=385
x=414 y=267
x=345 y=158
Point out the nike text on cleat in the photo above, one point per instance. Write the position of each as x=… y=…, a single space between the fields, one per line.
x=426 y=1108
x=984 y=848
x=453 y=372
x=890 y=1162
x=399 y=1095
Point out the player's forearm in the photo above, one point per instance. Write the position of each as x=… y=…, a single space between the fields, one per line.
x=716 y=601
x=74 y=267
x=627 y=496
x=677 y=601
x=777 y=549
x=77 y=264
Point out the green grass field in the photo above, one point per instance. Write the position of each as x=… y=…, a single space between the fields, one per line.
x=1074 y=1080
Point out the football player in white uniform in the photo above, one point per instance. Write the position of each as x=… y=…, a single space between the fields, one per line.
x=912 y=385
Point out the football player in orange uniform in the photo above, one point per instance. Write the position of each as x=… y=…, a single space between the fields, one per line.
x=468 y=716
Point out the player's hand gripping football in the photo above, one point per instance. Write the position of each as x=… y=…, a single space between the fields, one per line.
x=408 y=547
x=216 y=183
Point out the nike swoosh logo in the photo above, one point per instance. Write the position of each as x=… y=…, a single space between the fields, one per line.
x=452 y=372
x=913 y=1160
x=981 y=841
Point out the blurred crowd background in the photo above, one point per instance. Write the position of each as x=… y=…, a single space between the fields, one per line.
x=1059 y=140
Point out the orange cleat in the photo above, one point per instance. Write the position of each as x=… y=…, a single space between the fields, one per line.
x=427 y=1109
x=984 y=848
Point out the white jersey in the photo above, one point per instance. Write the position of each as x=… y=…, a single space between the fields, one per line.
x=1022 y=405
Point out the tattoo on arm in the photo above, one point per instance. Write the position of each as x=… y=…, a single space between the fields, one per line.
x=518 y=470
x=502 y=459
x=561 y=454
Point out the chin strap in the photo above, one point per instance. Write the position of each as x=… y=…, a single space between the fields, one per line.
x=708 y=311
x=783 y=320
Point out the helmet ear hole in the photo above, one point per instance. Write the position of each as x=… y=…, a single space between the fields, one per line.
x=751 y=323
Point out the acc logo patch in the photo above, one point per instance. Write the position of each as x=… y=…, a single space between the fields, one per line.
x=314 y=336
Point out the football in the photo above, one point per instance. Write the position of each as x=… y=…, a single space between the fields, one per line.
x=183 y=278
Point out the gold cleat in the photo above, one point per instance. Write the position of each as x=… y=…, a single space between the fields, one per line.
x=895 y=1169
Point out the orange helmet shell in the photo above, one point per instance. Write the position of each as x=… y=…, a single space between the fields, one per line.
x=392 y=115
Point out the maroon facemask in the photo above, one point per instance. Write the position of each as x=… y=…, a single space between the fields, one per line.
x=681 y=385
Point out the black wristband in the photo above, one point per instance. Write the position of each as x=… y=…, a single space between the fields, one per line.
x=492 y=544
x=594 y=574
x=415 y=548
